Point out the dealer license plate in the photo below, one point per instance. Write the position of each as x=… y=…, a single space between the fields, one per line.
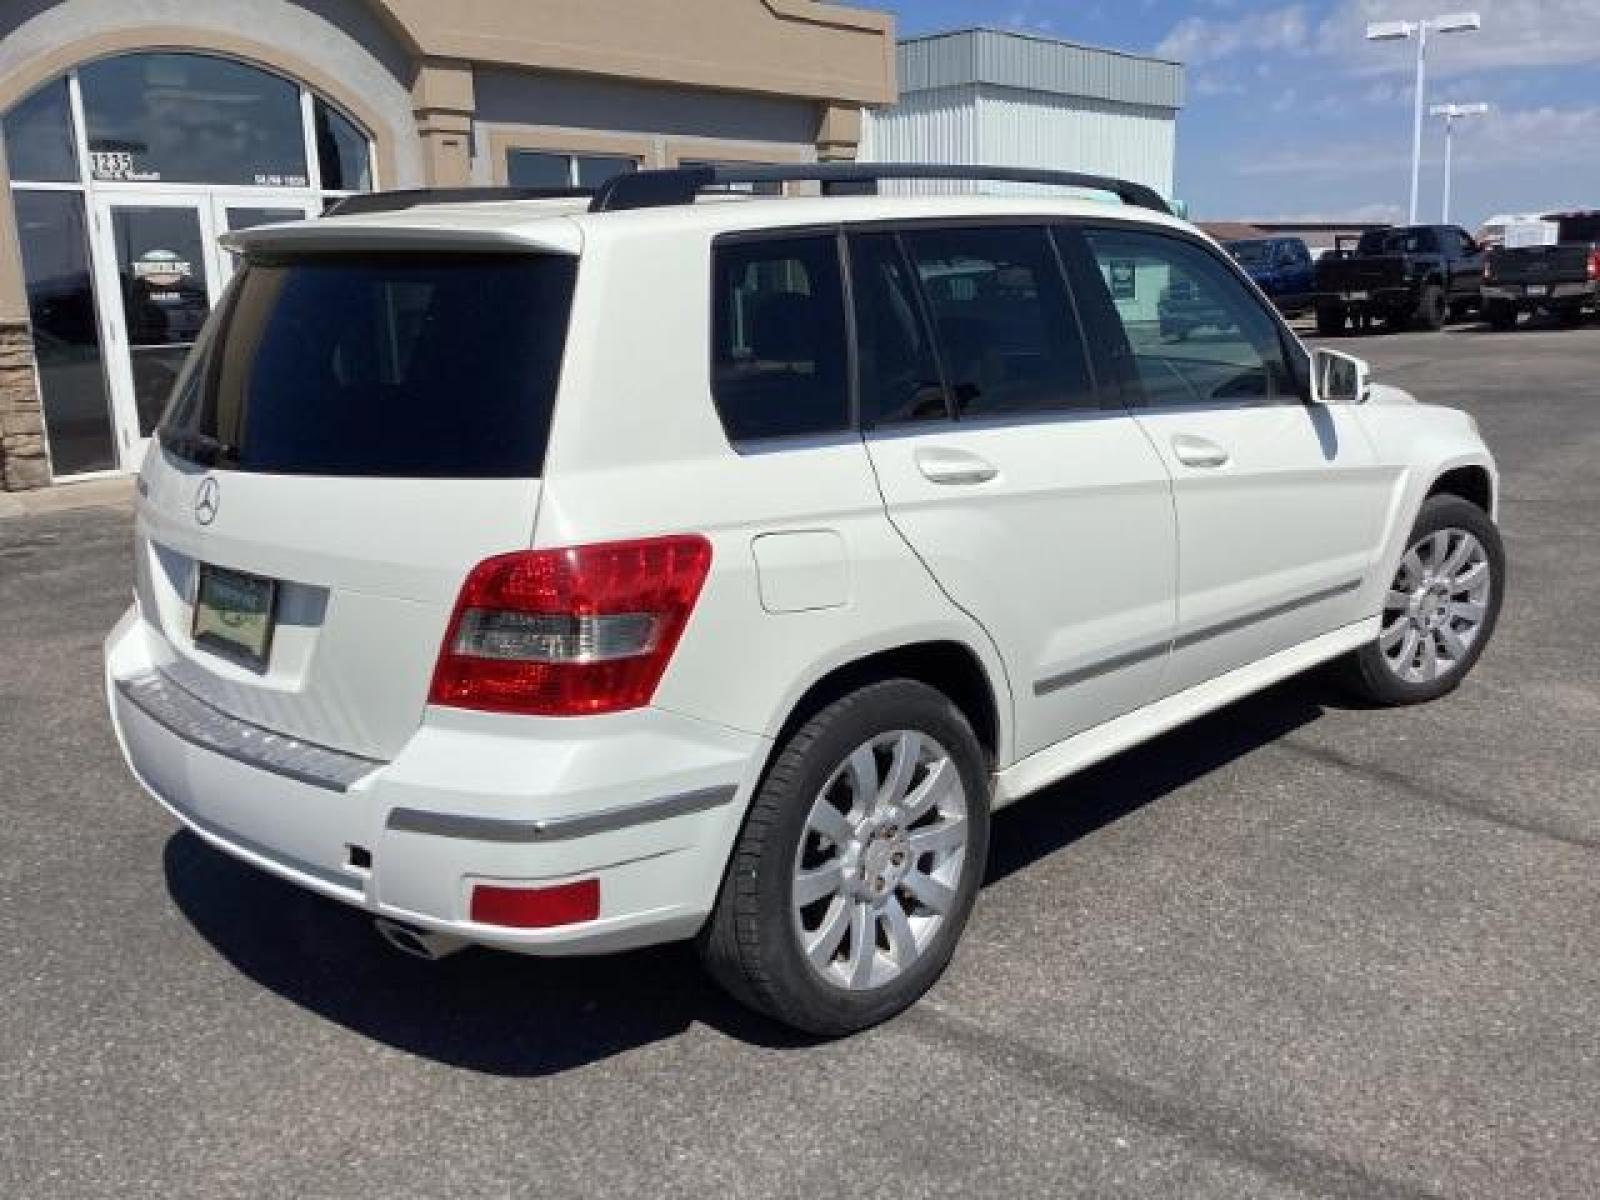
x=1538 y=289
x=233 y=614
x=1355 y=295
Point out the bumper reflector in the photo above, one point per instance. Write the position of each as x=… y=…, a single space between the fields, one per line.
x=536 y=907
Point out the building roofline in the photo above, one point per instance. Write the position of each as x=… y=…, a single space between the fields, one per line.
x=1031 y=36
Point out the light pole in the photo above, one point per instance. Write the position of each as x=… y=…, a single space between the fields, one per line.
x=1451 y=113
x=1399 y=31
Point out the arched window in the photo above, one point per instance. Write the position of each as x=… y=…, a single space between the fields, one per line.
x=126 y=169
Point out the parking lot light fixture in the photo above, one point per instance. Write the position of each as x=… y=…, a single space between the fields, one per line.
x=1451 y=114
x=1394 y=31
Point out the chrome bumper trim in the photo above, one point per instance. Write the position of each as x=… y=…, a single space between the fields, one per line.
x=182 y=713
x=557 y=829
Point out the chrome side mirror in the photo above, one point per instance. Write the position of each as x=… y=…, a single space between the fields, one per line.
x=1339 y=378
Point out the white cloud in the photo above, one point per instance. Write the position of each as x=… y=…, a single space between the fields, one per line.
x=1515 y=33
x=1198 y=40
x=1500 y=140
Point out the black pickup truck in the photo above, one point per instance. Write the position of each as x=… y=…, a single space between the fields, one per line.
x=1563 y=279
x=1416 y=275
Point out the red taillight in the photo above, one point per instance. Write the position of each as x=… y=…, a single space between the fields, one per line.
x=536 y=907
x=1594 y=266
x=572 y=632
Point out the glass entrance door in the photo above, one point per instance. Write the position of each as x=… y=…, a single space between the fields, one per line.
x=161 y=266
x=158 y=267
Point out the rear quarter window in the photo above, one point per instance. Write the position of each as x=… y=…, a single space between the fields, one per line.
x=778 y=355
x=437 y=366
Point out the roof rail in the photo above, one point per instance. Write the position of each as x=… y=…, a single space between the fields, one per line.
x=375 y=202
x=680 y=185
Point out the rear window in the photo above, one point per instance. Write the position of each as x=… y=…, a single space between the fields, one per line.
x=1584 y=228
x=778 y=338
x=436 y=366
x=1398 y=241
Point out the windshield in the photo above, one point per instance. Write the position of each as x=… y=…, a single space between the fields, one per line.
x=1581 y=228
x=440 y=365
x=1251 y=254
x=1396 y=241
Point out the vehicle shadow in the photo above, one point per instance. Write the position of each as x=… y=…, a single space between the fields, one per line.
x=505 y=1014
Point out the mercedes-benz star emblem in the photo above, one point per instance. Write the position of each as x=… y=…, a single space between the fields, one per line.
x=207 y=500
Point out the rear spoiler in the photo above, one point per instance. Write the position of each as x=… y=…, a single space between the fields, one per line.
x=555 y=236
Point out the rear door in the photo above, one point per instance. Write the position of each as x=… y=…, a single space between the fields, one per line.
x=1034 y=499
x=354 y=432
x=1280 y=503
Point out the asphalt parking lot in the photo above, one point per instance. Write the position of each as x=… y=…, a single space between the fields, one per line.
x=1297 y=949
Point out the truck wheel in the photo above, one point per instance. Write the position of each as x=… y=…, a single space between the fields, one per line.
x=1501 y=314
x=1330 y=321
x=1430 y=308
x=858 y=864
x=1460 y=310
x=1440 y=610
x=1570 y=315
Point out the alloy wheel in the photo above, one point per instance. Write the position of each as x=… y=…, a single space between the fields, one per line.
x=879 y=864
x=1436 y=607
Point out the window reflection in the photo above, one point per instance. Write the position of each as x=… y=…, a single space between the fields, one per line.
x=66 y=339
x=39 y=137
x=342 y=154
x=191 y=118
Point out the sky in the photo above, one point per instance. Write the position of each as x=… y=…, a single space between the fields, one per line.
x=1290 y=113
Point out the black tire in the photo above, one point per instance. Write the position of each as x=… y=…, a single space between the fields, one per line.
x=1366 y=673
x=1330 y=321
x=750 y=944
x=1430 y=308
x=1461 y=310
x=1569 y=315
x=1501 y=315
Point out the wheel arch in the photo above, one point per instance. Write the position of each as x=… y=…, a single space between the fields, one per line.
x=949 y=665
x=1471 y=482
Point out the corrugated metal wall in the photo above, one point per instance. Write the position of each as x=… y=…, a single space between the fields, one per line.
x=1037 y=64
x=1036 y=129
x=1007 y=127
x=932 y=126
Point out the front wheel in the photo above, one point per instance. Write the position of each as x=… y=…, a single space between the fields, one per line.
x=858 y=864
x=1440 y=609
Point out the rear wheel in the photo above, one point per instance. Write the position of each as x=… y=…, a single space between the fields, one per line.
x=1430 y=308
x=1440 y=609
x=858 y=865
x=1501 y=314
x=1330 y=321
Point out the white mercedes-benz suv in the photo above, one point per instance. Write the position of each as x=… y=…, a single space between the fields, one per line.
x=565 y=574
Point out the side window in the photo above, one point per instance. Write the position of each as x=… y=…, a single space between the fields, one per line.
x=1197 y=335
x=1007 y=334
x=778 y=338
x=900 y=379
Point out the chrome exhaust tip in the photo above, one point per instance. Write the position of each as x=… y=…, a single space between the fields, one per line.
x=419 y=943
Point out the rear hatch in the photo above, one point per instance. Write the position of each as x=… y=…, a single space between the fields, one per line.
x=1362 y=273
x=355 y=430
x=1567 y=263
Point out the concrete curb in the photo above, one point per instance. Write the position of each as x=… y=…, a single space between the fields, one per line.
x=63 y=497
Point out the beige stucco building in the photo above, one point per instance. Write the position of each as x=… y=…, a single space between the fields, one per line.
x=136 y=131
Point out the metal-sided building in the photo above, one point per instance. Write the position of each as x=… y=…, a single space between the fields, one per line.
x=1020 y=100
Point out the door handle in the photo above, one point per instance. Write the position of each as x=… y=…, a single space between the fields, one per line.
x=940 y=464
x=1195 y=451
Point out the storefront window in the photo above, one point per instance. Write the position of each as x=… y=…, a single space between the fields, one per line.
x=39 y=137
x=342 y=153
x=191 y=118
x=540 y=168
x=66 y=337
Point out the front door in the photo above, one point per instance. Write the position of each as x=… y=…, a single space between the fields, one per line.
x=1280 y=503
x=160 y=262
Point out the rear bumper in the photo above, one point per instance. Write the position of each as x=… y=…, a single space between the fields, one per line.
x=1555 y=293
x=648 y=802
